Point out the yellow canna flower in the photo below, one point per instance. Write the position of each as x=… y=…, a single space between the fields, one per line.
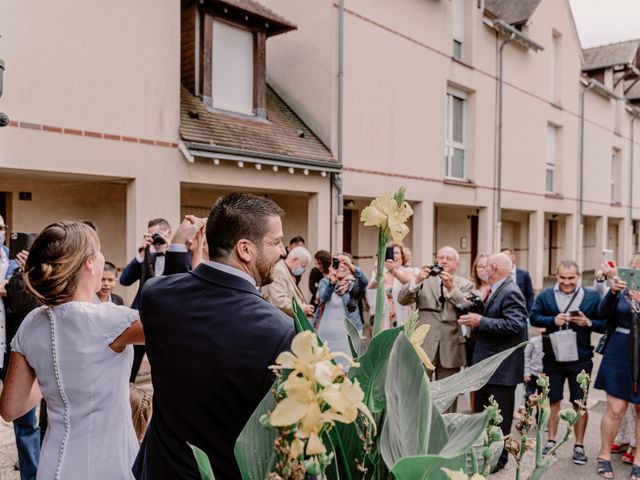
x=384 y=212
x=455 y=474
x=416 y=339
x=345 y=399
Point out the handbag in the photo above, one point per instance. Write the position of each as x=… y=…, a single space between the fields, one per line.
x=565 y=345
x=548 y=346
x=602 y=344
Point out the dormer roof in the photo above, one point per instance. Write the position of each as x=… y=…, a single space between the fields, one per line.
x=606 y=56
x=510 y=11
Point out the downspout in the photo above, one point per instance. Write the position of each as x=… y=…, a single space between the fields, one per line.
x=337 y=180
x=580 y=233
x=498 y=205
x=633 y=119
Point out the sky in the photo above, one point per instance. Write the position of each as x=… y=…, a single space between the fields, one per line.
x=606 y=21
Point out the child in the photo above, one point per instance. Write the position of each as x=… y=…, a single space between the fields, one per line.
x=533 y=363
x=108 y=282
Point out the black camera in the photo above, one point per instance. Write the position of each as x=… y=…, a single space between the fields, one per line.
x=157 y=239
x=335 y=263
x=473 y=304
x=435 y=270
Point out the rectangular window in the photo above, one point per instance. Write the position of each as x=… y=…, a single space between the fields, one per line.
x=551 y=163
x=232 y=66
x=455 y=141
x=615 y=175
x=458 y=28
x=555 y=68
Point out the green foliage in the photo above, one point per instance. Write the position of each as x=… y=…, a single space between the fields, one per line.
x=445 y=391
x=358 y=348
x=373 y=369
x=300 y=319
x=254 y=448
x=416 y=442
x=204 y=467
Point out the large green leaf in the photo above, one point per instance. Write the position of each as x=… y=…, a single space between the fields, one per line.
x=358 y=348
x=300 y=319
x=204 y=467
x=373 y=369
x=445 y=391
x=409 y=423
x=425 y=467
x=254 y=448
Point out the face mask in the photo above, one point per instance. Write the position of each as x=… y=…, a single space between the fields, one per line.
x=2 y=238
x=297 y=271
x=483 y=276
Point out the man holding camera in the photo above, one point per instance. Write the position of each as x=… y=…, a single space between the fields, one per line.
x=436 y=290
x=148 y=263
x=503 y=325
x=567 y=306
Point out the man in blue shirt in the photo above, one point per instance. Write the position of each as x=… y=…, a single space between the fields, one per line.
x=568 y=305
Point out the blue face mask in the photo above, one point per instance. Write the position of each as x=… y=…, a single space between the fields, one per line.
x=297 y=271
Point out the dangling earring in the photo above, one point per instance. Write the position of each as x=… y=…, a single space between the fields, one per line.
x=93 y=272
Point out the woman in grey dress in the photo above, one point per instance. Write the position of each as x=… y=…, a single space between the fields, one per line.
x=74 y=353
x=338 y=295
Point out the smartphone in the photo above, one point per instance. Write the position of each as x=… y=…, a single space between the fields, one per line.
x=607 y=258
x=335 y=263
x=631 y=276
x=388 y=255
x=574 y=313
x=19 y=241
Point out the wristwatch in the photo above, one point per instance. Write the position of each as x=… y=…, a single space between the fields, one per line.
x=589 y=323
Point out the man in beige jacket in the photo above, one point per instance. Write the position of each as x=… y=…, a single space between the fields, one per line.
x=283 y=289
x=435 y=297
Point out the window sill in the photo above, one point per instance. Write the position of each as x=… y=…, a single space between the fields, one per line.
x=463 y=63
x=557 y=104
x=616 y=204
x=459 y=182
x=556 y=196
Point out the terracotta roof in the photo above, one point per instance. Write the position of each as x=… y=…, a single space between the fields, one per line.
x=621 y=53
x=282 y=134
x=277 y=23
x=513 y=12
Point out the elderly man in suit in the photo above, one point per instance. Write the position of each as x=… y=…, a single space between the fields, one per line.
x=502 y=326
x=435 y=297
x=522 y=279
x=210 y=339
x=284 y=287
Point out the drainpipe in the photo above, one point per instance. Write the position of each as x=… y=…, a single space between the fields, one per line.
x=498 y=205
x=580 y=234
x=337 y=180
x=635 y=114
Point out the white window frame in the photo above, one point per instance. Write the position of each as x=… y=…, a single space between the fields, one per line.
x=458 y=27
x=615 y=175
x=450 y=144
x=551 y=161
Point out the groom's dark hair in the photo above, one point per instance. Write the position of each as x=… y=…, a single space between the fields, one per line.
x=236 y=216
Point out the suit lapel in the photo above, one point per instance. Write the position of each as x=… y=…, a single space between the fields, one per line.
x=508 y=280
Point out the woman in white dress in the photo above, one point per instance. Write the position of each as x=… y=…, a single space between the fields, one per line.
x=78 y=353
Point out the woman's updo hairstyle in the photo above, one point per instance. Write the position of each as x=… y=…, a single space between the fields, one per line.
x=56 y=259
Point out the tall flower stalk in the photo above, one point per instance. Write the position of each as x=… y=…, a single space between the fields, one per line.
x=389 y=214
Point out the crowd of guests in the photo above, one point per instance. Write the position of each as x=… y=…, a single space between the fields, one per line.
x=72 y=347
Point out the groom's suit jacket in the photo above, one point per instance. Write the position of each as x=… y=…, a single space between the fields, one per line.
x=210 y=338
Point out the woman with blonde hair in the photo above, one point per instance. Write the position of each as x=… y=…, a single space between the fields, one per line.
x=75 y=354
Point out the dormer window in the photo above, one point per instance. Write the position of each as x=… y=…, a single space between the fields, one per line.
x=223 y=46
x=232 y=68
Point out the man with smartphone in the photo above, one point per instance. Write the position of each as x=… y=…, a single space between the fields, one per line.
x=567 y=305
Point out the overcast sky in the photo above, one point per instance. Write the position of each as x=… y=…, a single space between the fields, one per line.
x=606 y=21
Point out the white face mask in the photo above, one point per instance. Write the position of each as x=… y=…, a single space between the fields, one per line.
x=2 y=238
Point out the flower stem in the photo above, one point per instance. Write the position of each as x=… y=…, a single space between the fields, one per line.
x=382 y=245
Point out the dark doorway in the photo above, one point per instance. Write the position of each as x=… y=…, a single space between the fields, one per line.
x=3 y=206
x=346 y=231
x=474 y=238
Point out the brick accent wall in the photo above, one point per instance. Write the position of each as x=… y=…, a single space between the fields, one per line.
x=187 y=47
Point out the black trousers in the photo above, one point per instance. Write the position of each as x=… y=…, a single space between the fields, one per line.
x=138 y=355
x=505 y=396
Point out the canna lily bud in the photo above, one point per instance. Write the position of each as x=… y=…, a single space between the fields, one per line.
x=569 y=415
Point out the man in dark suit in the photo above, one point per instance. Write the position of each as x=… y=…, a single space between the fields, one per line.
x=503 y=325
x=522 y=279
x=210 y=339
x=153 y=258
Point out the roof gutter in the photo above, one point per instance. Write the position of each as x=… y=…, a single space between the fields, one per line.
x=516 y=35
x=237 y=155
